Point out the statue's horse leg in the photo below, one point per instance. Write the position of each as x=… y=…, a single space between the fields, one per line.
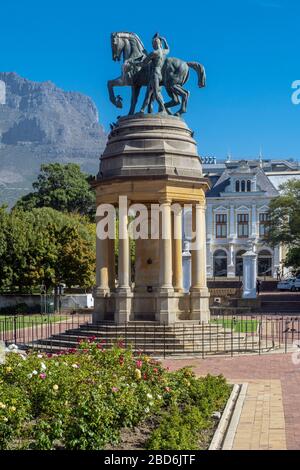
x=117 y=101
x=135 y=91
x=174 y=98
x=185 y=96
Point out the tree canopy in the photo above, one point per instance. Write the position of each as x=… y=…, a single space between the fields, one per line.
x=45 y=246
x=284 y=223
x=64 y=188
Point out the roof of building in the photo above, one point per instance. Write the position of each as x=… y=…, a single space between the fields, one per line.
x=277 y=180
x=266 y=182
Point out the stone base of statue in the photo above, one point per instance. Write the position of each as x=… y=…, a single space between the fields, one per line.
x=151 y=160
x=199 y=299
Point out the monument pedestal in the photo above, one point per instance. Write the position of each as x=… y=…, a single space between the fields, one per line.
x=152 y=160
x=199 y=299
x=123 y=306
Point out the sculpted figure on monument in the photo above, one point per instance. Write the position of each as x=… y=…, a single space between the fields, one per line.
x=156 y=60
x=152 y=70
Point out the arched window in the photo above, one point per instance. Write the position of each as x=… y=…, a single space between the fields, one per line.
x=264 y=263
x=243 y=186
x=237 y=186
x=220 y=263
x=239 y=263
x=248 y=186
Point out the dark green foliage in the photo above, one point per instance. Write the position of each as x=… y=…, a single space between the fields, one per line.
x=47 y=247
x=64 y=188
x=178 y=430
x=284 y=225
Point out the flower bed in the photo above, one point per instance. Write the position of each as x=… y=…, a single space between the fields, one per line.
x=86 y=399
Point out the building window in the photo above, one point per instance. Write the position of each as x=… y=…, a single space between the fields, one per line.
x=243 y=225
x=221 y=225
x=237 y=186
x=264 y=263
x=239 y=263
x=243 y=186
x=220 y=263
x=263 y=224
x=248 y=186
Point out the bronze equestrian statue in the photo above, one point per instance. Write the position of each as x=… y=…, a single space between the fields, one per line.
x=152 y=70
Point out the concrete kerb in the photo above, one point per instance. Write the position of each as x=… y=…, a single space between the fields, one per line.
x=225 y=433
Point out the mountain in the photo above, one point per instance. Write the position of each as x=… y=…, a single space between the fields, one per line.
x=41 y=123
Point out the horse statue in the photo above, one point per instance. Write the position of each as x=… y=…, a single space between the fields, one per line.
x=174 y=73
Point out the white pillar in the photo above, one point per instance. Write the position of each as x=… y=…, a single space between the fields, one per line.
x=209 y=219
x=254 y=221
x=232 y=232
x=249 y=274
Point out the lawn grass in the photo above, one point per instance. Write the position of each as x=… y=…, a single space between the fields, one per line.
x=25 y=321
x=238 y=325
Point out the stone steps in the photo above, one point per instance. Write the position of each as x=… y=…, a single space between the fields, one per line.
x=156 y=339
x=51 y=345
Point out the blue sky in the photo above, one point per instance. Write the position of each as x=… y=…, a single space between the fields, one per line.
x=250 y=49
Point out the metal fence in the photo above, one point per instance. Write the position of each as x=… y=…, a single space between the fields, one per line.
x=224 y=334
x=26 y=330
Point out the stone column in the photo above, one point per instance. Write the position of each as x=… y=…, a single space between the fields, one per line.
x=177 y=251
x=249 y=276
x=166 y=311
x=199 y=291
x=101 y=290
x=102 y=266
x=111 y=264
x=165 y=247
x=123 y=293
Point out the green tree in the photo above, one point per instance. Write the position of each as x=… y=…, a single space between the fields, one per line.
x=45 y=246
x=5 y=269
x=64 y=188
x=284 y=223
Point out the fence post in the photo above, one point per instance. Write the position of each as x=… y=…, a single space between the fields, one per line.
x=285 y=339
x=231 y=342
x=164 y=340
x=15 y=329
x=260 y=330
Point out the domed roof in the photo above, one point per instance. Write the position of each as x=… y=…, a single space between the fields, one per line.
x=150 y=145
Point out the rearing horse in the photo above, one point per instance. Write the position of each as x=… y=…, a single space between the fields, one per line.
x=175 y=73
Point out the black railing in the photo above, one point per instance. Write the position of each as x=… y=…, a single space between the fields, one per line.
x=225 y=334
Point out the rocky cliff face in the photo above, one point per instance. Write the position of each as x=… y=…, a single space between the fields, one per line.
x=40 y=123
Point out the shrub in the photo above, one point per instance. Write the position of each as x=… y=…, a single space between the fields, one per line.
x=82 y=398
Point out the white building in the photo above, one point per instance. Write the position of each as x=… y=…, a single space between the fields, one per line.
x=237 y=212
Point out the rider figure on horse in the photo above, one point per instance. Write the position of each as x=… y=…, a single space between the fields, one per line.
x=156 y=60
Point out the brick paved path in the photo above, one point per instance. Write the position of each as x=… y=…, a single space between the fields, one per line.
x=270 y=377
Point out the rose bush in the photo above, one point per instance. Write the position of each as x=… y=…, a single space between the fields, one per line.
x=82 y=398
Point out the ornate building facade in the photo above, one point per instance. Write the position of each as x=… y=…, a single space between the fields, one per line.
x=237 y=213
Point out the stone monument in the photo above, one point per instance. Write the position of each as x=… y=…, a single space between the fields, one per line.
x=249 y=274
x=151 y=163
